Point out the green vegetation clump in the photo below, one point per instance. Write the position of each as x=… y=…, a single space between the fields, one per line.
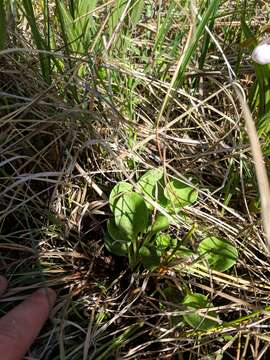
x=138 y=231
x=137 y=227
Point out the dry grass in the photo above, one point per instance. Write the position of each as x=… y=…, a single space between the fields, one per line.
x=60 y=157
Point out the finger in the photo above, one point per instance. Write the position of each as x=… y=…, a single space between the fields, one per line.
x=3 y=284
x=20 y=326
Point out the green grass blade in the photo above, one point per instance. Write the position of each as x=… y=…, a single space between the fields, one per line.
x=118 y=341
x=38 y=39
x=136 y=12
x=199 y=31
x=47 y=33
x=206 y=41
x=164 y=26
x=2 y=25
x=64 y=31
x=116 y=15
x=77 y=27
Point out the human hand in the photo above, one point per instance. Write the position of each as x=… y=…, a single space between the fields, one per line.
x=20 y=327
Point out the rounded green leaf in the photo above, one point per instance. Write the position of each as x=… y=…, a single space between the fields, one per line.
x=160 y=223
x=220 y=254
x=116 y=247
x=183 y=252
x=150 y=256
x=115 y=232
x=199 y=322
x=172 y=209
x=144 y=252
x=149 y=185
x=118 y=190
x=131 y=214
x=180 y=194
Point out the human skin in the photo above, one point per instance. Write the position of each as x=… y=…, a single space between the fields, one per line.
x=20 y=326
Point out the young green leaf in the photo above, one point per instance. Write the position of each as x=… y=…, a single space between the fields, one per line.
x=180 y=194
x=118 y=190
x=116 y=247
x=160 y=223
x=150 y=256
x=115 y=232
x=148 y=184
x=183 y=252
x=199 y=322
x=172 y=209
x=220 y=254
x=131 y=214
x=163 y=241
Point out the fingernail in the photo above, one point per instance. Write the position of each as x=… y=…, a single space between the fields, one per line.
x=50 y=295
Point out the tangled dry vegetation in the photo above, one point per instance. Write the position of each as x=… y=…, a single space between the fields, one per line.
x=108 y=116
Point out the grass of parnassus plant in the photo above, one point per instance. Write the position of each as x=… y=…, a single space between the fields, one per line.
x=93 y=93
